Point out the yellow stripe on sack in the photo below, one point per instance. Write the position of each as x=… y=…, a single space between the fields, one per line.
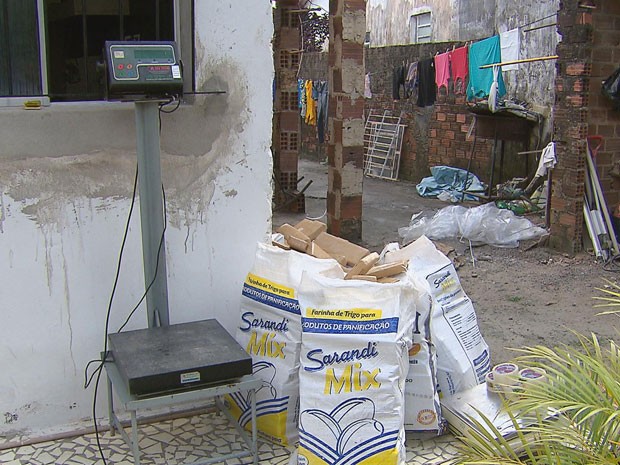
x=311 y=459
x=272 y=427
x=269 y=286
x=345 y=314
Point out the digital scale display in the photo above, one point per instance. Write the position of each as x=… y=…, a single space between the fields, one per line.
x=143 y=69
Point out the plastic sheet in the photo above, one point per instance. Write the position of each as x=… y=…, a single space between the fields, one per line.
x=485 y=224
x=448 y=183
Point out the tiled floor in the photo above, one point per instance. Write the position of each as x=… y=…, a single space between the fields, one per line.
x=185 y=440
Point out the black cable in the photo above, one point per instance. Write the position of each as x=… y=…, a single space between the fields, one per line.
x=162 y=105
x=99 y=369
x=105 y=354
x=161 y=241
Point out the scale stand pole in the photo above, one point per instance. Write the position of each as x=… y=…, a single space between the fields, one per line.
x=152 y=212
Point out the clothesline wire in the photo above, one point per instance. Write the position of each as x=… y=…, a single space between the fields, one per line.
x=538 y=20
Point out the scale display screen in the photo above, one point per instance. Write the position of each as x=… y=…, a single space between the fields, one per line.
x=153 y=53
x=142 y=70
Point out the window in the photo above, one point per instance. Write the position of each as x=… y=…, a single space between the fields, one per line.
x=51 y=47
x=420 y=27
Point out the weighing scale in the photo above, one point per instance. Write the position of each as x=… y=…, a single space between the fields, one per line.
x=162 y=358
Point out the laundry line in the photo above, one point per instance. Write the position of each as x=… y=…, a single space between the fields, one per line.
x=516 y=62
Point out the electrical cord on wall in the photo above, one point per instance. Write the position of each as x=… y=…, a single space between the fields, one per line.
x=105 y=354
x=98 y=370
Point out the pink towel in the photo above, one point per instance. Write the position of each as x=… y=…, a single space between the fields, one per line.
x=442 y=70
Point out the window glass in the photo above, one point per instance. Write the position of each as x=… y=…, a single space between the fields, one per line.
x=420 y=27
x=77 y=30
x=20 y=74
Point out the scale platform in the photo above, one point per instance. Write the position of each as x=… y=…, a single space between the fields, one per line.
x=177 y=357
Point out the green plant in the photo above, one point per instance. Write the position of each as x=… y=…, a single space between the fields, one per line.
x=583 y=396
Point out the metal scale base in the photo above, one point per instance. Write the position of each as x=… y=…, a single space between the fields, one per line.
x=177 y=357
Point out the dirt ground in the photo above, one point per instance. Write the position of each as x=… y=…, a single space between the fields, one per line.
x=523 y=296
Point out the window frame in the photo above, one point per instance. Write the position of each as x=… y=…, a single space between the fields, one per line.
x=183 y=15
x=415 y=27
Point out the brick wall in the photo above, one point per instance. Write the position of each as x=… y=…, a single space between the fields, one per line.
x=286 y=122
x=581 y=111
x=435 y=135
x=603 y=119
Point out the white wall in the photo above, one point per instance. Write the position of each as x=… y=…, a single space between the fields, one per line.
x=66 y=175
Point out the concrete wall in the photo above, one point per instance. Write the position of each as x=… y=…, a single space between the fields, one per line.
x=66 y=176
x=388 y=20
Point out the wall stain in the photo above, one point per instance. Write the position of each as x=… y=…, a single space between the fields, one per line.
x=199 y=142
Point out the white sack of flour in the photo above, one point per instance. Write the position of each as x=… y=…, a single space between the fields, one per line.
x=463 y=358
x=270 y=331
x=354 y=360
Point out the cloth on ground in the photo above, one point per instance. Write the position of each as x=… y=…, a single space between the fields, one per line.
x=442 y=70
x=320 y=88
x=367 y=91
x=450 y=180
x=427 y=90
x=458 y=62
x=310 y=105
x=509 y=44
x=484 y=52
x=398 y=80
x=411 y=81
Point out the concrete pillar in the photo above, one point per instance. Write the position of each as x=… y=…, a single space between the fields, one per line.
x=347 y=28
x=286 y=122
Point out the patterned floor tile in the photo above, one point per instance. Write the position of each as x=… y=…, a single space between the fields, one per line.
x=188 y=439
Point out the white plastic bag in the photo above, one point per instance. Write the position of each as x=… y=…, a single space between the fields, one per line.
x=484 y=224
x=270 y=331
x=354 y=360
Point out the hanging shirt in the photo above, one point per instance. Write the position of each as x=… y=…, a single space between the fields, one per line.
x=300 y=93
x=484 y=52
x=427 y=90
x=321 y=91
x=411 y=81
x=458 y=63
x=442 y=70
x=310 y=105
x=367 y=91
x=302 y=96
x=398 y=80
x=509 y=44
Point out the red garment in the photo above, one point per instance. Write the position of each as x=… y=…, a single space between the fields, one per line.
x=458 y=58
x=442 y=70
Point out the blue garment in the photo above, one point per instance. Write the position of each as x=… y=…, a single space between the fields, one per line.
x=300 y=92
x=322 y=96
x=484 y=52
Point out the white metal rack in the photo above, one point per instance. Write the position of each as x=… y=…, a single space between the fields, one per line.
x=383 y=138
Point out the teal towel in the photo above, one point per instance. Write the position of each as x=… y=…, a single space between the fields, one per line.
x=484 y=52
